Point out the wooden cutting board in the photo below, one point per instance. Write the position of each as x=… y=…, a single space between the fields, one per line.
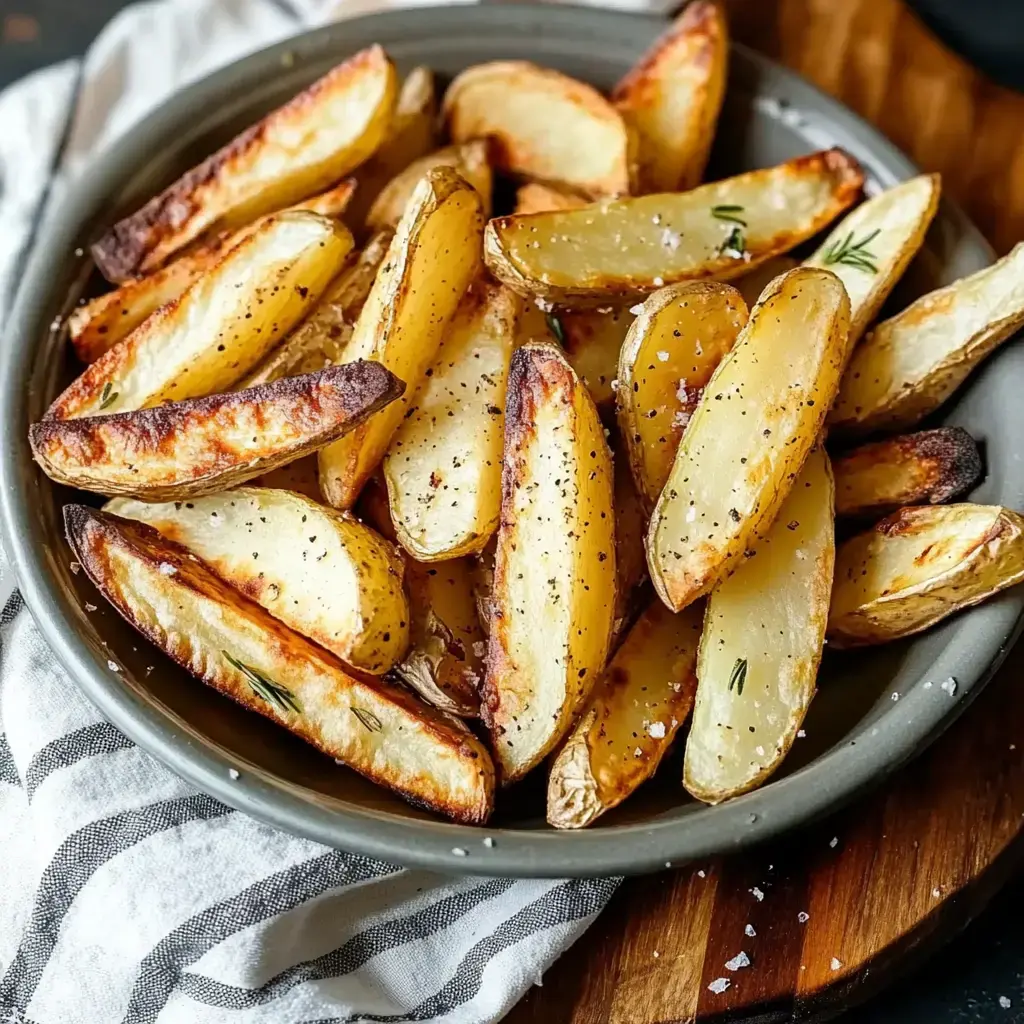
x=828 y=916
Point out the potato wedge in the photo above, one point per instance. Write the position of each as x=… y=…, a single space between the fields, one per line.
x=321 y=339
x=632 y=718
x=407 y=313
x=920 y=565
x=483 y=582
x=630 y=247
x=100 y=324
x=445 y=660
x=670 y=353
x=316 y=569
x=301 y=148
x=910 y=364
x=533 y=197
x=753 y=284
x=592 y=342
x=554 y=574
x=543 y=125
x=300 y=476
x=672 y=97
x=762 y=643
x=630 y=556
x=234 y=646
x=443 y=467
x=203 y=445
x=222 y=325
x=928 y=468
x=469 y=160
x=871 y=247
x=759 y=416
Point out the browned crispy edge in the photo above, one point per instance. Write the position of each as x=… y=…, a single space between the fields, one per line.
x=122 y=252
x=334 y=400
x=947 y=458
x=90 y=532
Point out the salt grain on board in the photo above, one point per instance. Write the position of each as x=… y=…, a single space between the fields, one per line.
x=803 y=917
x=836 y=963
x=949 y=686
x=739 y=961
x=757 y=894
x=749 y=931
x=719 y=985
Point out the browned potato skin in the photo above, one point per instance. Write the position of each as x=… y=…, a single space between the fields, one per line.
x=96 y=536
x=144 y=240
x=930 y=467
x=694 y=48
x=202 y=445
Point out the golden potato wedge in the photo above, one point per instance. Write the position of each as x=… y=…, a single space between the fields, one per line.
x=469 y=160
x=405 y=317
x=237 y=648
x=910 y=364
x=592 y=342
x=554 y=574
x=100 y=324
x=203 y=445
x=762 y=643
x=631 y=719
x=322 y=337
x=301 y=148
x=759 y=416
x=630 y=247
x=927 y=468
x=443 y=467
x=316 y=569
x=542 y=125
x=672 y=97
x=871 y=247
x=445 y=660
x=300 y=476
x=533 y=197
x=222 y=325
x=630 y=556
x=672 y=349
x=920 y=565
x=751 y=285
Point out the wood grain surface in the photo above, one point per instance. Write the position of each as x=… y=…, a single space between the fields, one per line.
x=839 y=909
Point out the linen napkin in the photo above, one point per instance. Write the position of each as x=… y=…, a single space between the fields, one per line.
x=125 y=895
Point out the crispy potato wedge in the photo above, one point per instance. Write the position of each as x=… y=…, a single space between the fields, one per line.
x=321 y=339
x=928 y=468
x=534 y=197
x=234 y=646
x=542 y=125
x=672 y=97
x=630 y=556
x=203 y=445
x=592 y=342
x=759 y=416
x=762 y=643
x=443 y=467
x=405 y=317
x=469 y=160
x=920 y=565
x=222 y=325
x=316 y=569
x=445 y=660
x=554 y=574
x=670 y=353
x=629 y=247
x=300 y=476
x=301 y=148
x=752 y=285
x=631 y=719
x=910 y=364
x=871 y=247
x=100 y=324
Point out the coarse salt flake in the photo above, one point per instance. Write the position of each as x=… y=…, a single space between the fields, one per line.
x=234 y=773
x=800 y=734
x=166 y=569
x=757 y=894
x=637 y=309
x=637 y=752
x=895 y=697
x=663 y=356
x=719 y=985
x=656 y=730
x=113 y=666
x=803 y=917
x=1005 y=1002
x=701 y=874
x=949 y=685
x=656 y=954
x=670 y=239
x=488 y=842
x=658 y=282
x=460 y=852
x=834 y=842
x=739 y=961
x=749 y=931
x=835 y=963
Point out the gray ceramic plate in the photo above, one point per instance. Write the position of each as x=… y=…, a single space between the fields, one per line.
x=856 y=732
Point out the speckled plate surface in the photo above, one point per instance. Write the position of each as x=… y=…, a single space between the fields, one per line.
x=856 y=732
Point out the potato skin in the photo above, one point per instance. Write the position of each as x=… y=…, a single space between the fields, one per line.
x=381 y=731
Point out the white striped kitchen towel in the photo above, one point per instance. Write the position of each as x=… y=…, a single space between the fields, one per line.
x=125 y=896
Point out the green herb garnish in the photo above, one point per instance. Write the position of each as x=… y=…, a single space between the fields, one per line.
x=729 y=213
x=556 y=328
x=734 y=245
x=738 y=677
x=107 y=396
x=852 y=254
x=370 y=721
x=264 y=688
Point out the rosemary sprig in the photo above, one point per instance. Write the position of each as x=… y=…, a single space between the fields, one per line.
x=729 y=212
x=264 y=688
x=735 y=244
x=556 y=328
x=853 y=254
x=108 y=396
x=370 y=721
x=738 y=677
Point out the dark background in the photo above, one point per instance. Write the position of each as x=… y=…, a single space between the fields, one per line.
x=963 y=983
